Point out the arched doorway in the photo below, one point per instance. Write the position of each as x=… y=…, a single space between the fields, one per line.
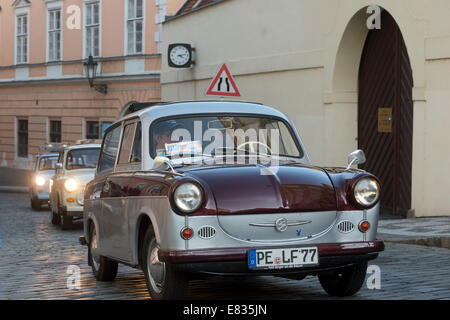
x=385 y=113
x=126 y=109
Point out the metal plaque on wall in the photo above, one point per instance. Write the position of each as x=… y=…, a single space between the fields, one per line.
x=385 y=120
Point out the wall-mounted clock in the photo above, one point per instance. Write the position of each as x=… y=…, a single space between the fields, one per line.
x=180 y=55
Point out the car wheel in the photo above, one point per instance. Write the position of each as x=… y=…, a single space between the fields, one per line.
x=163 y=282
x=35 y=204
x=66 y=221
x=102 y=268
x=346 y=281
x=56 y=219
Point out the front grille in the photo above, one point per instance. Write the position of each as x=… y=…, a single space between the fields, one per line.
x=206 y=232
x=345 y=226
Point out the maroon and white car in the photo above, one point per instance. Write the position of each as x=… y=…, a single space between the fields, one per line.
x=225 y=188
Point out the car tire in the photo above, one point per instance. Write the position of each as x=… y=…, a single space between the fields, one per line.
x=35 y=204
x=56 y=218
x=66 y=220
x=102 y=268
x=344 y=282
x=163 y=281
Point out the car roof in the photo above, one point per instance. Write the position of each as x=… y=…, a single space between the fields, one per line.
x=205 y=106
x=84 y=146
x=50 y=154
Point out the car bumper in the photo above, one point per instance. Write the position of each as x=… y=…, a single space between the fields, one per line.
x=234 y=261
x=73 y=210
x=40 y=193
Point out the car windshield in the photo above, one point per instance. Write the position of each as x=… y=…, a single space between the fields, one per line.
x=218 y=135
x=47 y=163
x=82 y=158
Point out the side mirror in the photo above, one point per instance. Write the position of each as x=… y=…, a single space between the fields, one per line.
x=162 y=164
x=356 y=157
x=59 y=165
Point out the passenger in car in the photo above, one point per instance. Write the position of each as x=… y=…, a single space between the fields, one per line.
x=163 y=135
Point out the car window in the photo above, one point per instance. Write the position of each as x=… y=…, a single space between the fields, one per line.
x=137 y=145
x=206 y=134
x=127 y=141
x=47 y=163
x=82 y=158
x=109 y=150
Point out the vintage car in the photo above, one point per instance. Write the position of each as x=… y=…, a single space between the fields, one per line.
x=75 y=168
x=44 y=170
x=225 y=188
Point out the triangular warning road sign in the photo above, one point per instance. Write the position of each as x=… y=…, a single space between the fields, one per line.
x=223 y=84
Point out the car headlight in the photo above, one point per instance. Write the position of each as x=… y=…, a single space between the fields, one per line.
x=80 y=196
x=367 y=192
x=70 y=185
x=187 y=197
x=40 y=180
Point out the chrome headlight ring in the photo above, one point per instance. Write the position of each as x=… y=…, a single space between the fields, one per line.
x=366 y=192
x=188 y=197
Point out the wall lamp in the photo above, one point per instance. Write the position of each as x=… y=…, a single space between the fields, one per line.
x=91 y=72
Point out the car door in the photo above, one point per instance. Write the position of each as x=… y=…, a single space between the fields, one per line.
x=114 y=222
x=130 y=161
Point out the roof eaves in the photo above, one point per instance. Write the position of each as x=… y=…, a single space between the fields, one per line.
x=179 y=13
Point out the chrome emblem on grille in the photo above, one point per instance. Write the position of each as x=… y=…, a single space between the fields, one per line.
x=280 y=224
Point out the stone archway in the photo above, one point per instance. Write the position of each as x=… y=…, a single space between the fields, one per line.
x=125 y=109
x=347 y=83
x=385 y=113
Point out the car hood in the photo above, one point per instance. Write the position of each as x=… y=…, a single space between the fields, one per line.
x=246 y=189
x=82 y=176
x=48 y=174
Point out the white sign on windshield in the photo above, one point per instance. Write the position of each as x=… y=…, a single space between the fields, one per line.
x=185 y=147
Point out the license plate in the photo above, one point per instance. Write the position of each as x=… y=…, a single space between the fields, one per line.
x=283 y=258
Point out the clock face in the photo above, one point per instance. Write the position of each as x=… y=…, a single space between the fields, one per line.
x=180 y=55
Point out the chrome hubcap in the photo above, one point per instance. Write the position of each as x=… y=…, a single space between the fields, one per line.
x=155 y=268
x=94 y=254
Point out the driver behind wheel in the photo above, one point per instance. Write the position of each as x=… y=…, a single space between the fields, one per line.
x=163 y=134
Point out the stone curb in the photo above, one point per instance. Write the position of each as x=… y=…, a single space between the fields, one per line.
x=441 y=242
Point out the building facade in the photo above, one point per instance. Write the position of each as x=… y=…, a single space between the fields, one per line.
x=350 y=73
x=45 y=95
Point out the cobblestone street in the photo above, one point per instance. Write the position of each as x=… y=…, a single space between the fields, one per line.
x=35 y=256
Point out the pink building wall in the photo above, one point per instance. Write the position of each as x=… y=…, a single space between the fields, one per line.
x=39 y=91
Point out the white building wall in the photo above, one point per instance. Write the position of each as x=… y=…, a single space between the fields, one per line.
x=302 y=57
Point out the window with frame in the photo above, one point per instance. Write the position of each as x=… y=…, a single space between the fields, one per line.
x=135 y=26
x=127 y=141
x=109 y=149
x=92 y=29
x=22 y=39
x=22 y=138
x=105 y=125
x=137 y=145
x=47 y=163
x=54 y=35
x=92 y=130
x=55 y=131
x=82 y=158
